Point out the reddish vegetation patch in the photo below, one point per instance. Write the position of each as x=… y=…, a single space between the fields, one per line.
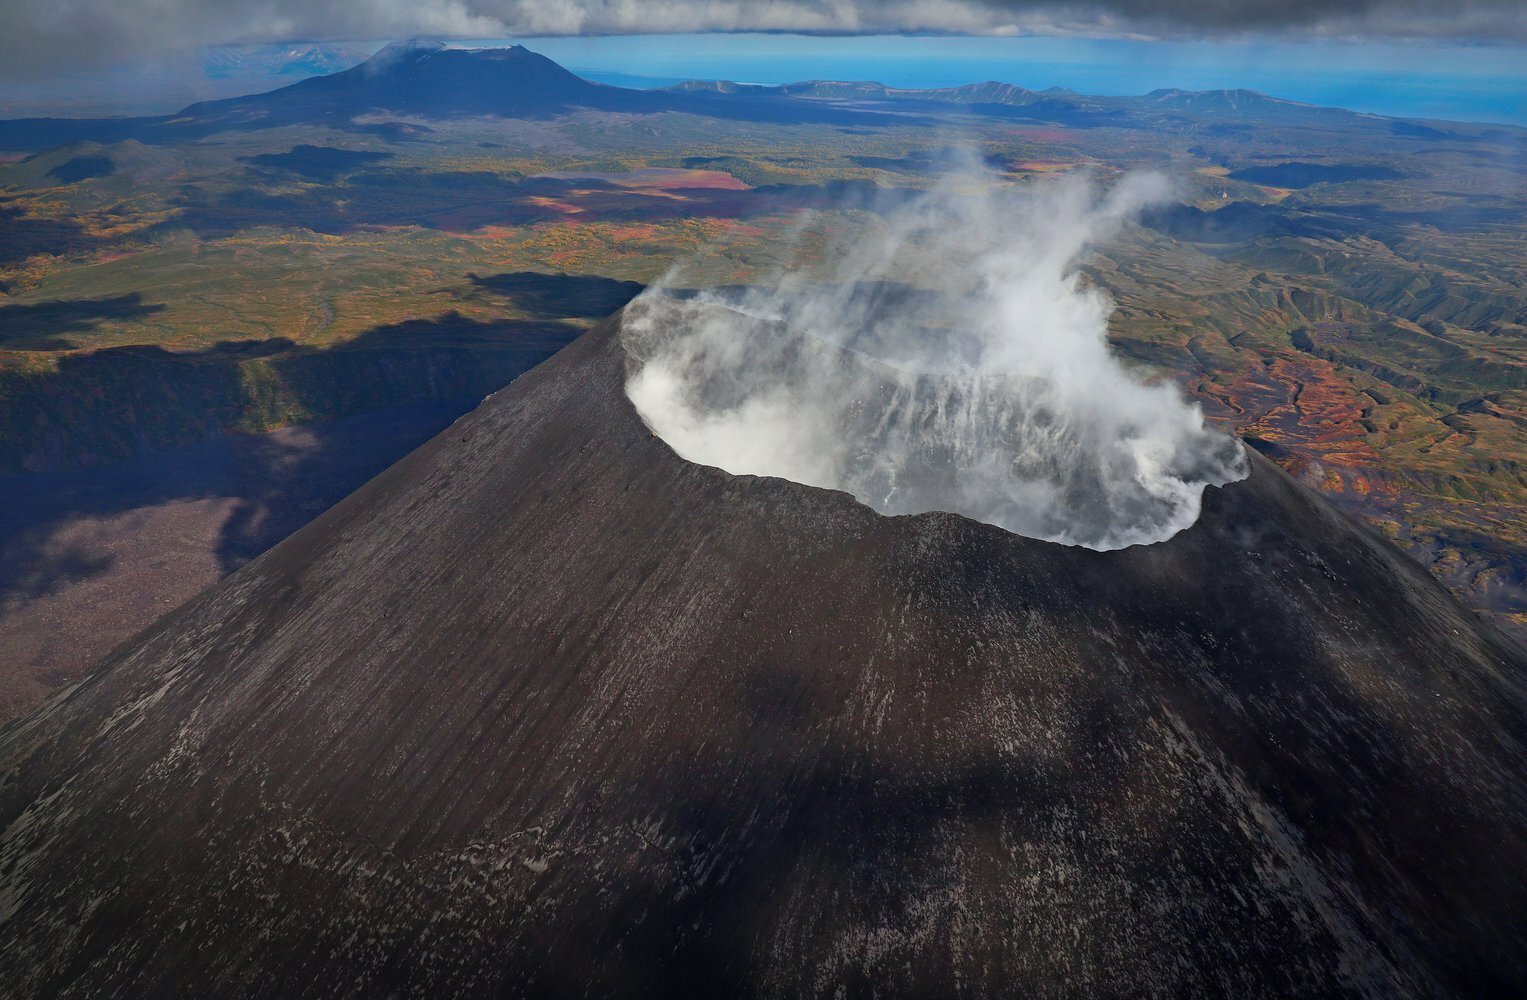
x=1304 y=402
x=700 y=180
x=1321 y=474
x=640 y=198
x=489 y=233
x=563 y=205
x=645 y=232
x=1308 y=419
x=743 y=229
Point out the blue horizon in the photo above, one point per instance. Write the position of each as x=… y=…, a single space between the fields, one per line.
x=1485 y=84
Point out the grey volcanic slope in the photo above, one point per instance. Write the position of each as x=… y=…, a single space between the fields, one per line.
x=544 y=710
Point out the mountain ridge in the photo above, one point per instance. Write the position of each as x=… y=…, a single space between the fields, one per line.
x=428 y=79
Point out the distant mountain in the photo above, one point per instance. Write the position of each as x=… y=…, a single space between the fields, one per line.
x=430 y=81
x=278 y=61
x=1217 y=100
x=990 y=92
x=1241 y=104
x=1053 y=104
x=989 y=98
x=421 y=80
x=726 y=87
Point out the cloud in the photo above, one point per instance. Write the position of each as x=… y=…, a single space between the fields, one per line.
x=52 y=36
x=987 y=389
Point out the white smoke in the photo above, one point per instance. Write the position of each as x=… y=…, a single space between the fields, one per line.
x=952 y=359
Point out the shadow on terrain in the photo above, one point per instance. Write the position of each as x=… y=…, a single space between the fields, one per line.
x=167 y=415
x=23 y=236
x=1297 y=174
x=40 y=327
x=32 y=563
x=1502 y=565
x=929 y=161
x=319 y=163
x=149 y=425
x=82 y=168
x=1475 y=213
x=109 y=404
x=279 y=482
x=581 y=295
x=1237 y=222
x=1242 y=221
x=130 y=473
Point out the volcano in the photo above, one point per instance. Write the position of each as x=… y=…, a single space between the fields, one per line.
x=427 y=79
x=545 y=710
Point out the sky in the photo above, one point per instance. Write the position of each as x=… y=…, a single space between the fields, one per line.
x=1466 y=59
x=43 y=37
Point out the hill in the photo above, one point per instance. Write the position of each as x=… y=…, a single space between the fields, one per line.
x=544 y=710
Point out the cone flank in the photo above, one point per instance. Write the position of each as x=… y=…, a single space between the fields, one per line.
x=654 y=729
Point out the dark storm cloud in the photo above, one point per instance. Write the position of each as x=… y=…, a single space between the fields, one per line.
x=41 y=37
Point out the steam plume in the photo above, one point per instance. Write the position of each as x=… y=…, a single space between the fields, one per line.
x=986 y=389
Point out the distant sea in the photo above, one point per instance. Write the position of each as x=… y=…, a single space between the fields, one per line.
x=1414 y=80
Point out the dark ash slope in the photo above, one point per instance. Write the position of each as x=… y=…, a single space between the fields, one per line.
x=544 y=710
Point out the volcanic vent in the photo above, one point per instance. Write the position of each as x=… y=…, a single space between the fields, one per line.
x=986 y=389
